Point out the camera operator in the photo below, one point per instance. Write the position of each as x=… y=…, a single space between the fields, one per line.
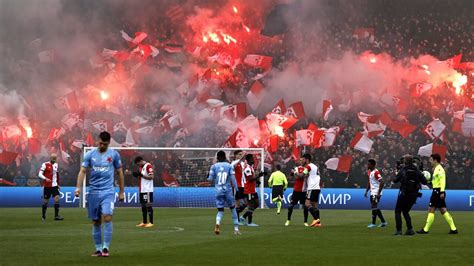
x=411 y=179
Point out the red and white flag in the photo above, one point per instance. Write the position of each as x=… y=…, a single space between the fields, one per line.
x=304 y=137
x=295 y=110
x=170 y=120
x=173 y=48
x=404 y=129
x=255 y=95
x=72 y=119
x=374 y=129
x=237 y=140
x=64 y=155
x=55 y=133
x=364 y=117
x=120 y=126
x=280 y=108
x=275 y=120
x=401 y=105
x=139 y=37
x=251 y=126
x=7 y=157
x=68 y=102
x=328 y=136
x=434 y=129
x=341 y=164
x=464 y=124
x=79 y=143
x=420 y=88
x=361 y=142
x=11 y=131
x=234 y=112
x=102 y=125
x=271 y=144
x=432 y=148
x=259 y=61
x=327 y=108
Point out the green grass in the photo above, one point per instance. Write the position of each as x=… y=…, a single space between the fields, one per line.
x=343 y=239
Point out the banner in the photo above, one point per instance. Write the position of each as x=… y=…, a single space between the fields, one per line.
x=331 y=198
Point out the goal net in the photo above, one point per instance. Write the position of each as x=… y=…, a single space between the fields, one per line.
x=180 y=174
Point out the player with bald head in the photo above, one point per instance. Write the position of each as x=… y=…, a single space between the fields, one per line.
x=50 y=175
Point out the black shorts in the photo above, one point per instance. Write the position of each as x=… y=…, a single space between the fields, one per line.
x=48 y=191
x=298 y=197
x=277 y=191
x=436 y=201
x=146 y=197
x=239 y=194
x=250 y=197
x=374 y=199
x=313 y=195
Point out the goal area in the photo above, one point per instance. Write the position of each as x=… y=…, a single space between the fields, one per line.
x=180 y=174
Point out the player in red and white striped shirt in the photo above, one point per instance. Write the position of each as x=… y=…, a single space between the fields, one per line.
x=49 y=173
x=145 y=177
x=249 y=179
x=375 y=185
x=238 y=165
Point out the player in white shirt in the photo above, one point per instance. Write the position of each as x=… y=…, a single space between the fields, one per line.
x=375 y=185
x=314 y=183
x=145 y=177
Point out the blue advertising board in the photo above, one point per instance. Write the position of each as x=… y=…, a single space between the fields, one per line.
x=330 y=198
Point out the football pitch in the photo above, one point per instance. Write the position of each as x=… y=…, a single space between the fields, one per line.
x=185 y=236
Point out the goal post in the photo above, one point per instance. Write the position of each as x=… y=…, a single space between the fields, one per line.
x=179 y=170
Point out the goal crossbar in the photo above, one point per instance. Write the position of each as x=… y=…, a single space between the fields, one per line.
x=259 y=150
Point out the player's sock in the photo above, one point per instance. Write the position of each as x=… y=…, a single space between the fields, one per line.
x=246 y=214
x=380 y=215
x=43 y=209
x=290 y=212
x=279 y=206
x=312 y=210
x=97 y=235
x=56 y=209
x=449 y=220
x=429 y=222
x=235 y=219
x=150 y=213
x=144 y=215
x=250 y=216
x=219 y=216
x=317 y=213
x=241 y=208
x=305 y=213
x=374 y=215
x=108 y=229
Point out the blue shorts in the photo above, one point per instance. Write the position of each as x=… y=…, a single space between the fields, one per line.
x=100 y=204
x=223 y=198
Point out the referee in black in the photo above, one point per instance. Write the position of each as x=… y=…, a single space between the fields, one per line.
x=411 y=179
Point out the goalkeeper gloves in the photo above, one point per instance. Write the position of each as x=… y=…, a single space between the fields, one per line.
x=137 y=174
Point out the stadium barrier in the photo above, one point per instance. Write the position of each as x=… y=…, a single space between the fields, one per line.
x=331 y=198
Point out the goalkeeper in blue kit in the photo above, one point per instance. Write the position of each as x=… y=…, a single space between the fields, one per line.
x=222 y=173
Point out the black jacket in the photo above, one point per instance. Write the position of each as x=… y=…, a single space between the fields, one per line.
x=410 y=178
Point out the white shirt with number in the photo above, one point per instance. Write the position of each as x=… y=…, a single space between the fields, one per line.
x=314 y=178
x=146 y=185
x=374 y=182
